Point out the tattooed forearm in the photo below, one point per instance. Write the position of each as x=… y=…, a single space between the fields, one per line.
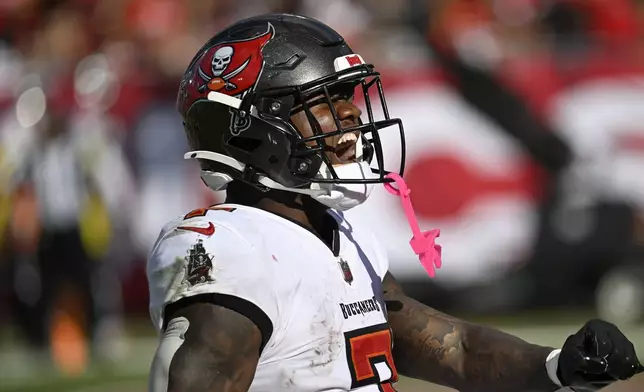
x=435 y=347
x=220 y=351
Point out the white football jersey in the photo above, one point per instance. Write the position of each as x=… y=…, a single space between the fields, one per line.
x=322 y=316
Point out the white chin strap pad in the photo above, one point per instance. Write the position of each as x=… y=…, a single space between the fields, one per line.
x=343 y=197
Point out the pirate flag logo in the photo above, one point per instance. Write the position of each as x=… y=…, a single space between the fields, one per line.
x=232 y=68
x=199 y=265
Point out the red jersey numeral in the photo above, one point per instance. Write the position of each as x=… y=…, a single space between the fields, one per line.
x=370 y=359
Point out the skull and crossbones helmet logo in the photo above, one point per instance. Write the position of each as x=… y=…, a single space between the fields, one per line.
x=232 y=67
x=221 y=59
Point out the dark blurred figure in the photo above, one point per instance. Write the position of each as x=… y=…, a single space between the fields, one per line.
x=59 y=276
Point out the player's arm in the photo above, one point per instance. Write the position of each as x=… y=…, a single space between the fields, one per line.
x=218 y=349
x=432 y=346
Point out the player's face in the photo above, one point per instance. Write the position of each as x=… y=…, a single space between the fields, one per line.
x=342 y=148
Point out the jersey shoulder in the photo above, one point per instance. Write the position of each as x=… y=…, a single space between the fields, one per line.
x=206 y=252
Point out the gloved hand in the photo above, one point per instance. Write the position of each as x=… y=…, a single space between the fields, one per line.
x=596 y=356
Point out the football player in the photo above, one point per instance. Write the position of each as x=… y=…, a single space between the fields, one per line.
x=274 y=290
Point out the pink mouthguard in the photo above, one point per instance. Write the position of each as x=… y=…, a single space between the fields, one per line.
x=423 y=243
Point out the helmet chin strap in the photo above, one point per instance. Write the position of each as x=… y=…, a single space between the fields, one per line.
x=337 y=196
x=218 y=181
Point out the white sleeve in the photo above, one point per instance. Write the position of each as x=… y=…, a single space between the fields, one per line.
x=222 y=268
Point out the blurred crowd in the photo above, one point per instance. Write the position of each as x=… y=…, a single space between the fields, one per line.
x=91 y=146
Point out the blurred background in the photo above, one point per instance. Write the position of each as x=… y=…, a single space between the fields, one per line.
x=525 y=132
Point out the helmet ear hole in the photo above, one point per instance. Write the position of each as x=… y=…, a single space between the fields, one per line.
x=244 y=143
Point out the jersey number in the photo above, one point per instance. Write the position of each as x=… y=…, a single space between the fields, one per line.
x=369 y=357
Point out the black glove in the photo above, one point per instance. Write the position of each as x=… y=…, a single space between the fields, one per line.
x=596 y=356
